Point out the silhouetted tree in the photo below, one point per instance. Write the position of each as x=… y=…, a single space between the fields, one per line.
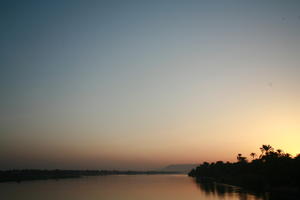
x=253 y=155
x=240 y=158
x=272 y=169
x=279 y=151
x=265 y=149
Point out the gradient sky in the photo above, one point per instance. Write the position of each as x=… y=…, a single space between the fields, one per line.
x=143 y=84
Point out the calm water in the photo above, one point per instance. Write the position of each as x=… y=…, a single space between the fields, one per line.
x=133 y=187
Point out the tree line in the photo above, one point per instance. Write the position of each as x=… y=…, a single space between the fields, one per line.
x=37 y=174
x=271 y=170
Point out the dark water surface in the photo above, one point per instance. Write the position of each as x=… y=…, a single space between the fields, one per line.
x=122 y=187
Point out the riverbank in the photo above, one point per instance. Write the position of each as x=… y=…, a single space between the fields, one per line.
x=35 y=174
x=275 y=172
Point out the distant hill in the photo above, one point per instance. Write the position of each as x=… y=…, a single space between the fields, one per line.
x=183 y=168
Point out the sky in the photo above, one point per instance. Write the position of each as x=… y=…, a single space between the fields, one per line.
x=144 y=84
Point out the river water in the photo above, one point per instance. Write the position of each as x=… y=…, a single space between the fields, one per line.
x=122 y=187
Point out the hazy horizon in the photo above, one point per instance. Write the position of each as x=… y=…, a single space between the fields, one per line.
x=141 y=85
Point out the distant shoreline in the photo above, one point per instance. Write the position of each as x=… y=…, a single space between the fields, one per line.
x=36 y=174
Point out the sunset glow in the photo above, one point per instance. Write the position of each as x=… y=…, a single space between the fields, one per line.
x=100 y=85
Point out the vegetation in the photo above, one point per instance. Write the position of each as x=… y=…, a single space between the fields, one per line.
x=35 y=174
x=273 y=170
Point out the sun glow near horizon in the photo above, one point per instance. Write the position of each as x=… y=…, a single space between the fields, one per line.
x=143 y=85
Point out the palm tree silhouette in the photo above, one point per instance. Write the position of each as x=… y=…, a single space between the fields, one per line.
x=279 y=151
x=253 y=155
x=265 y=149
x=240 y=158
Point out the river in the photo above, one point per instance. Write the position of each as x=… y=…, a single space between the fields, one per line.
x=123 y=187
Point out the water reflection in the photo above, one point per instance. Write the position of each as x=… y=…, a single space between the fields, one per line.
x=127 y=187
x=223 y=191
